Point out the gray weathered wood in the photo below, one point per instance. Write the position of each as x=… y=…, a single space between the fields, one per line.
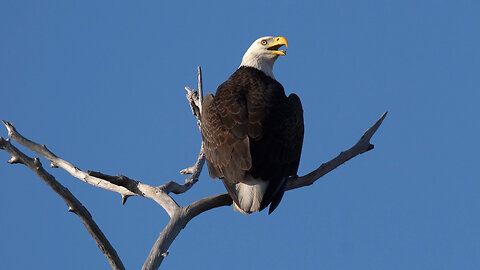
x=179 y=216
x=74 y=205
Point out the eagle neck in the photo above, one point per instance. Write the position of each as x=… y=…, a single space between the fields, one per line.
x=264 y=66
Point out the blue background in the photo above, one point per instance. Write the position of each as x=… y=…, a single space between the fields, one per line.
x=101 y=84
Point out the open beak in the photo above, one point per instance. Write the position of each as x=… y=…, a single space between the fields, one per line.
x=279 y=42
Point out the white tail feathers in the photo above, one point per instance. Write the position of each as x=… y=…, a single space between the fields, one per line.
x=250 y=195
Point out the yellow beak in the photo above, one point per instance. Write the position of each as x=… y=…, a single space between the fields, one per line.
x=276 y=44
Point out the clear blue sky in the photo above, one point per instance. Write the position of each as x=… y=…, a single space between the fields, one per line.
x=101 y=84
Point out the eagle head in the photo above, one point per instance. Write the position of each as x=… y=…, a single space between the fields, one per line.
x=263 y=52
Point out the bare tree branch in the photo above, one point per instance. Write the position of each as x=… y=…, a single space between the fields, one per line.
x=127 y=187
x=178 y=222
x=195 y=98
x=74 y=205
x=160 y=249
x=180 y=216
x=362 y=146
x=200 y=88
x=136 y=188
x=194 y=172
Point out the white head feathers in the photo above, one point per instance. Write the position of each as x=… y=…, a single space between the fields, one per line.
x=263 y=52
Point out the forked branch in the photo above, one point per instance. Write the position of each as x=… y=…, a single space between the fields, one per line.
x=178 y=222
x=126 y=187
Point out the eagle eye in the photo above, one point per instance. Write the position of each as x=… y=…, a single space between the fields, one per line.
x=264 y=42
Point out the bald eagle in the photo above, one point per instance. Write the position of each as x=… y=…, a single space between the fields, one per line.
x=252 y=132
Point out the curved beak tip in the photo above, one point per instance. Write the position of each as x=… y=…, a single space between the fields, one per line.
x=282 y=40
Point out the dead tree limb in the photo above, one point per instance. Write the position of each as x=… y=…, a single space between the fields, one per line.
x=179 y=216
x=129 y=187
x=363 y=145
x=74 y=205
x=178 y=222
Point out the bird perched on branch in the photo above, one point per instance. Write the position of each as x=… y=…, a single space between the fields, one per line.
x=252 y=132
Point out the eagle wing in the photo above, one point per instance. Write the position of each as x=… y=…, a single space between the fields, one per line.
x=277 y=155
x=225 y=137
